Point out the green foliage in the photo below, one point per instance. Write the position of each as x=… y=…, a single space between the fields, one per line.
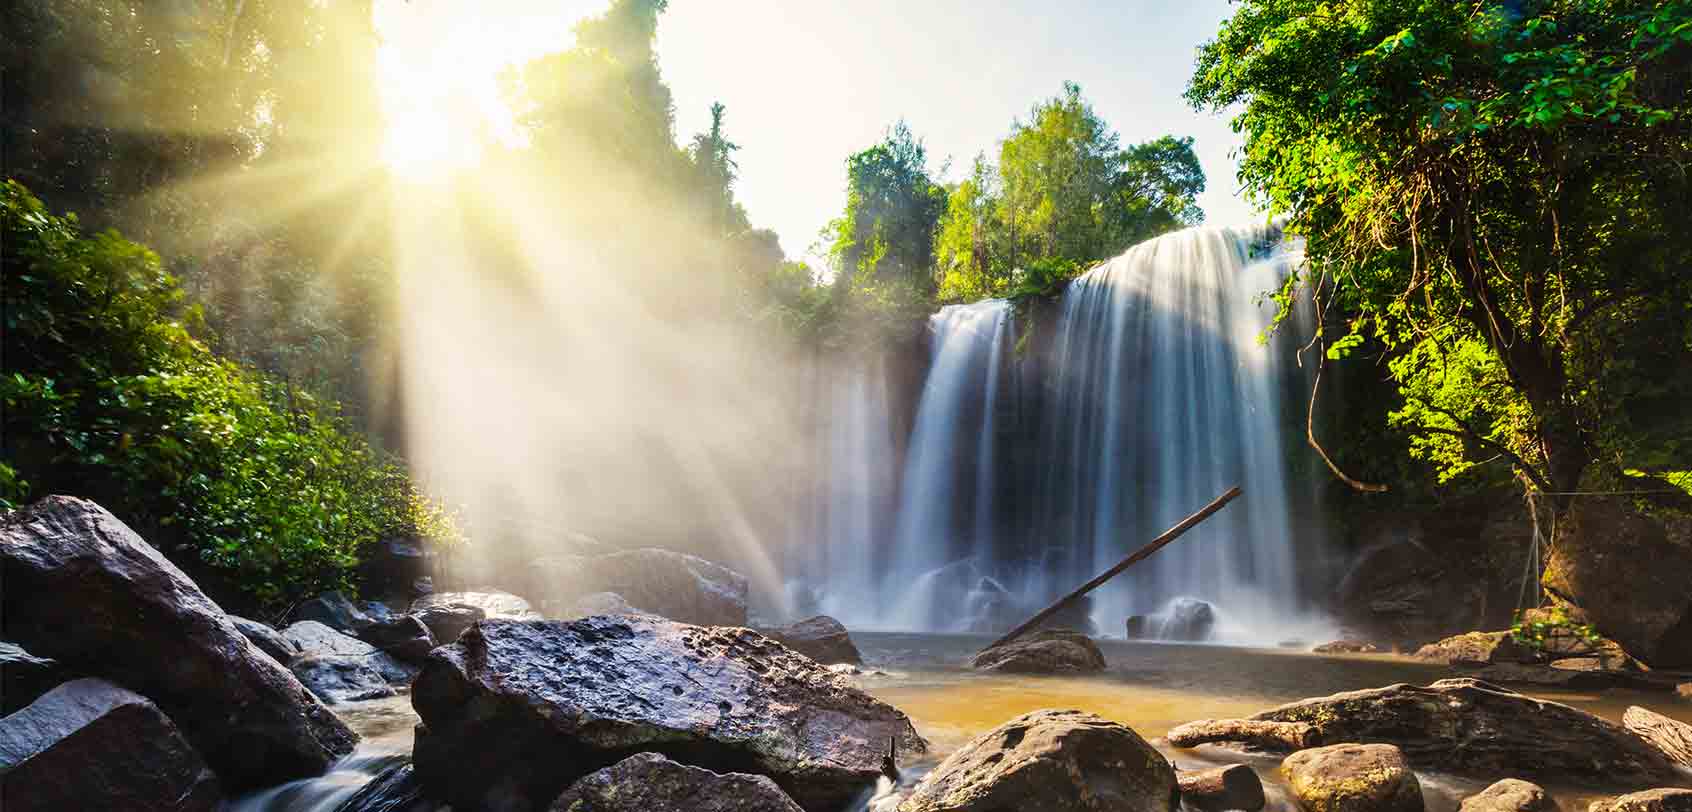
x=109 y=395
x=1493 y=193
x=1555 y=630
x=886 y=237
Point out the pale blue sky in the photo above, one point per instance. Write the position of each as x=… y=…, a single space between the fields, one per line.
x=808 y=83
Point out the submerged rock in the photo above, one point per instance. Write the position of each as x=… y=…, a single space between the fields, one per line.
x=1511 y=795
x=821 y=638
x=680 y=587
x=268 y=640
x=1651 y=800
x=336 y=678
x=90 y=744
x=24 y=677
x=1049 y=651
x=1235 y=786
x=1057 y=760
x=120 y=610
x=516 y=710
x=320 y=641
x=648 y=782
x=1353 y=778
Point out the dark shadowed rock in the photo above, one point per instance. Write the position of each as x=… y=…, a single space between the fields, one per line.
x=24 y=677
x=1476 y=648
x=90 y=744
x=1511 y=795
x=1470 y=727
x=1186 y=619
x=680 y=587
x=393 y=790
x=1545 y=676
x=120 y=610
x=1353 y=778
x=334 y=610
x=1049 y=651
x=318 y=640
x=447 y=621
x=1235 y=786
x=1651 y=800
x=336 y=678
x=517 y=710
x=1628 y=573
x=1057 y=760
x=648 y=782
x=1138 y=627
x=821 y=638
x=268 y=640
x=403 y=636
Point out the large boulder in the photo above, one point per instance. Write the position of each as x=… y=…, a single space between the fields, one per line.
x=669 y=584
x=24 y=677
x=268 y=640
x=1185 y=619
x=1651 y=800
x=516 y=710
x=334 y=610
x=119 y=609
x=448 y=620
x=90 y=744
x=336 y=678
x=1511 y=795
x=1462 y=726
x=1628 y=572
x=821 y=638
x=319 y=641
x=1057 y=760
x=1477 y=648
x=404 y=636
x=1048 y=651
x=648 y=782
x=492 y=603
x=1353 y=778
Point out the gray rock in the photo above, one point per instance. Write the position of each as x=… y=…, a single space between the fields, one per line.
x=24 y=677
x=1139 y=627
x=1049 y=651
x=90 y=744
x=492 y=604
x=1511 y=795
x=1353 y=778
x=447 y=621
x=1545 y=676
x=120 y=610
x=334 y=610
x=515 y=711
x=821 y=638
x=1639 y=599
x=1235 y=786
x=317 y=640
x=669 y=584
x=1056 y=760
x=336 y=678
x=1347 y=647
x=1651 y=800
x=268 y=640
x=404 y=636
x=648 y=782
x=1187 y=619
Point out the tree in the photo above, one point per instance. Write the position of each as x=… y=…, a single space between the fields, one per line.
x=892 y=209
x=1496 y=192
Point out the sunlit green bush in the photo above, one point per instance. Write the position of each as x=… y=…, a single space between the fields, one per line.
x=109 y=395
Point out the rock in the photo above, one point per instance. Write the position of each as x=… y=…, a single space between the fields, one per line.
x=1673 y=738
x=1048 y=651
x=423 y=586
x=1511 y=795
x=1281 y=736
x=1346 y=647
x=1684 y=691
x=334 y=610
x=1545 y=676
x=1353 y=778
x=516 y=710
x=120 y=610
x=395 y=789
x=1235 y=786
x=821 y=638
x=268 y=640
x=90 y=744
x=318 y=640
x=1651 y=800
x=1470 y=727
x=492 y=604
x=24 y=677
x=673 y=585
x=403 y=636
x=1476 y=647
x=447 y=621
x=1138 y=626
x=600 y=603
x=1628 y=572
x=392 y=567
x=1076 y=615
x=648 y=782
x=337 y=678
x=1057 y=760
x=1186 y=619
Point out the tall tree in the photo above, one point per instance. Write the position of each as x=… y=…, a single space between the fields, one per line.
x=893 y=206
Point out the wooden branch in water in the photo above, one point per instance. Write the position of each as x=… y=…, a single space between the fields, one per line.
x=1156 y=544
x=1672 y=737
x=1284 y=736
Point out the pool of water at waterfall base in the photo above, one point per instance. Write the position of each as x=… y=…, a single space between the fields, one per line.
x=1151 y=687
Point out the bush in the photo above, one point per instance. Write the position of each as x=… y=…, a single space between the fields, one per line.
x=109 y=395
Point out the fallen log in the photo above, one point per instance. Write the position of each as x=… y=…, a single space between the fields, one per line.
x=1138 y=555
x=1672 y=737
x=1277 y=736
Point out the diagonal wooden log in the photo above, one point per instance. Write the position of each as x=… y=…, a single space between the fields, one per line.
x=1138 y=555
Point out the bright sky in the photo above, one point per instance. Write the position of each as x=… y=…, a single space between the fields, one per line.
x=808 y=82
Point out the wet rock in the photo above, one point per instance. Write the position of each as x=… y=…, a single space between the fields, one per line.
x=1511 y=795
x=1048 y=651
x=1470 y=727
x=1187 y=619
x=395 y=789
x=1476 y=648
x=821 y=638
x=600 y=603
x=403 y=636
x=1076 y=615
x=1138 y=627
x=1257 y=733
x=318 y=640
x=1651 y=800
x=336 y=678
x=514 y=711
x=24 y=677
x=491 y=603
x=1545 y=676
x=1628 y=572
x=392 y=567
x=648 y=782
x=268 y=640
x=1235 y=786
x=120 y=610
x=90 y=744
x=1057 y=760
x=1353 y=778
x=680 y=587
x=447 y=621
x=1346 y=647
x=1673 y=738
x=334 y=610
